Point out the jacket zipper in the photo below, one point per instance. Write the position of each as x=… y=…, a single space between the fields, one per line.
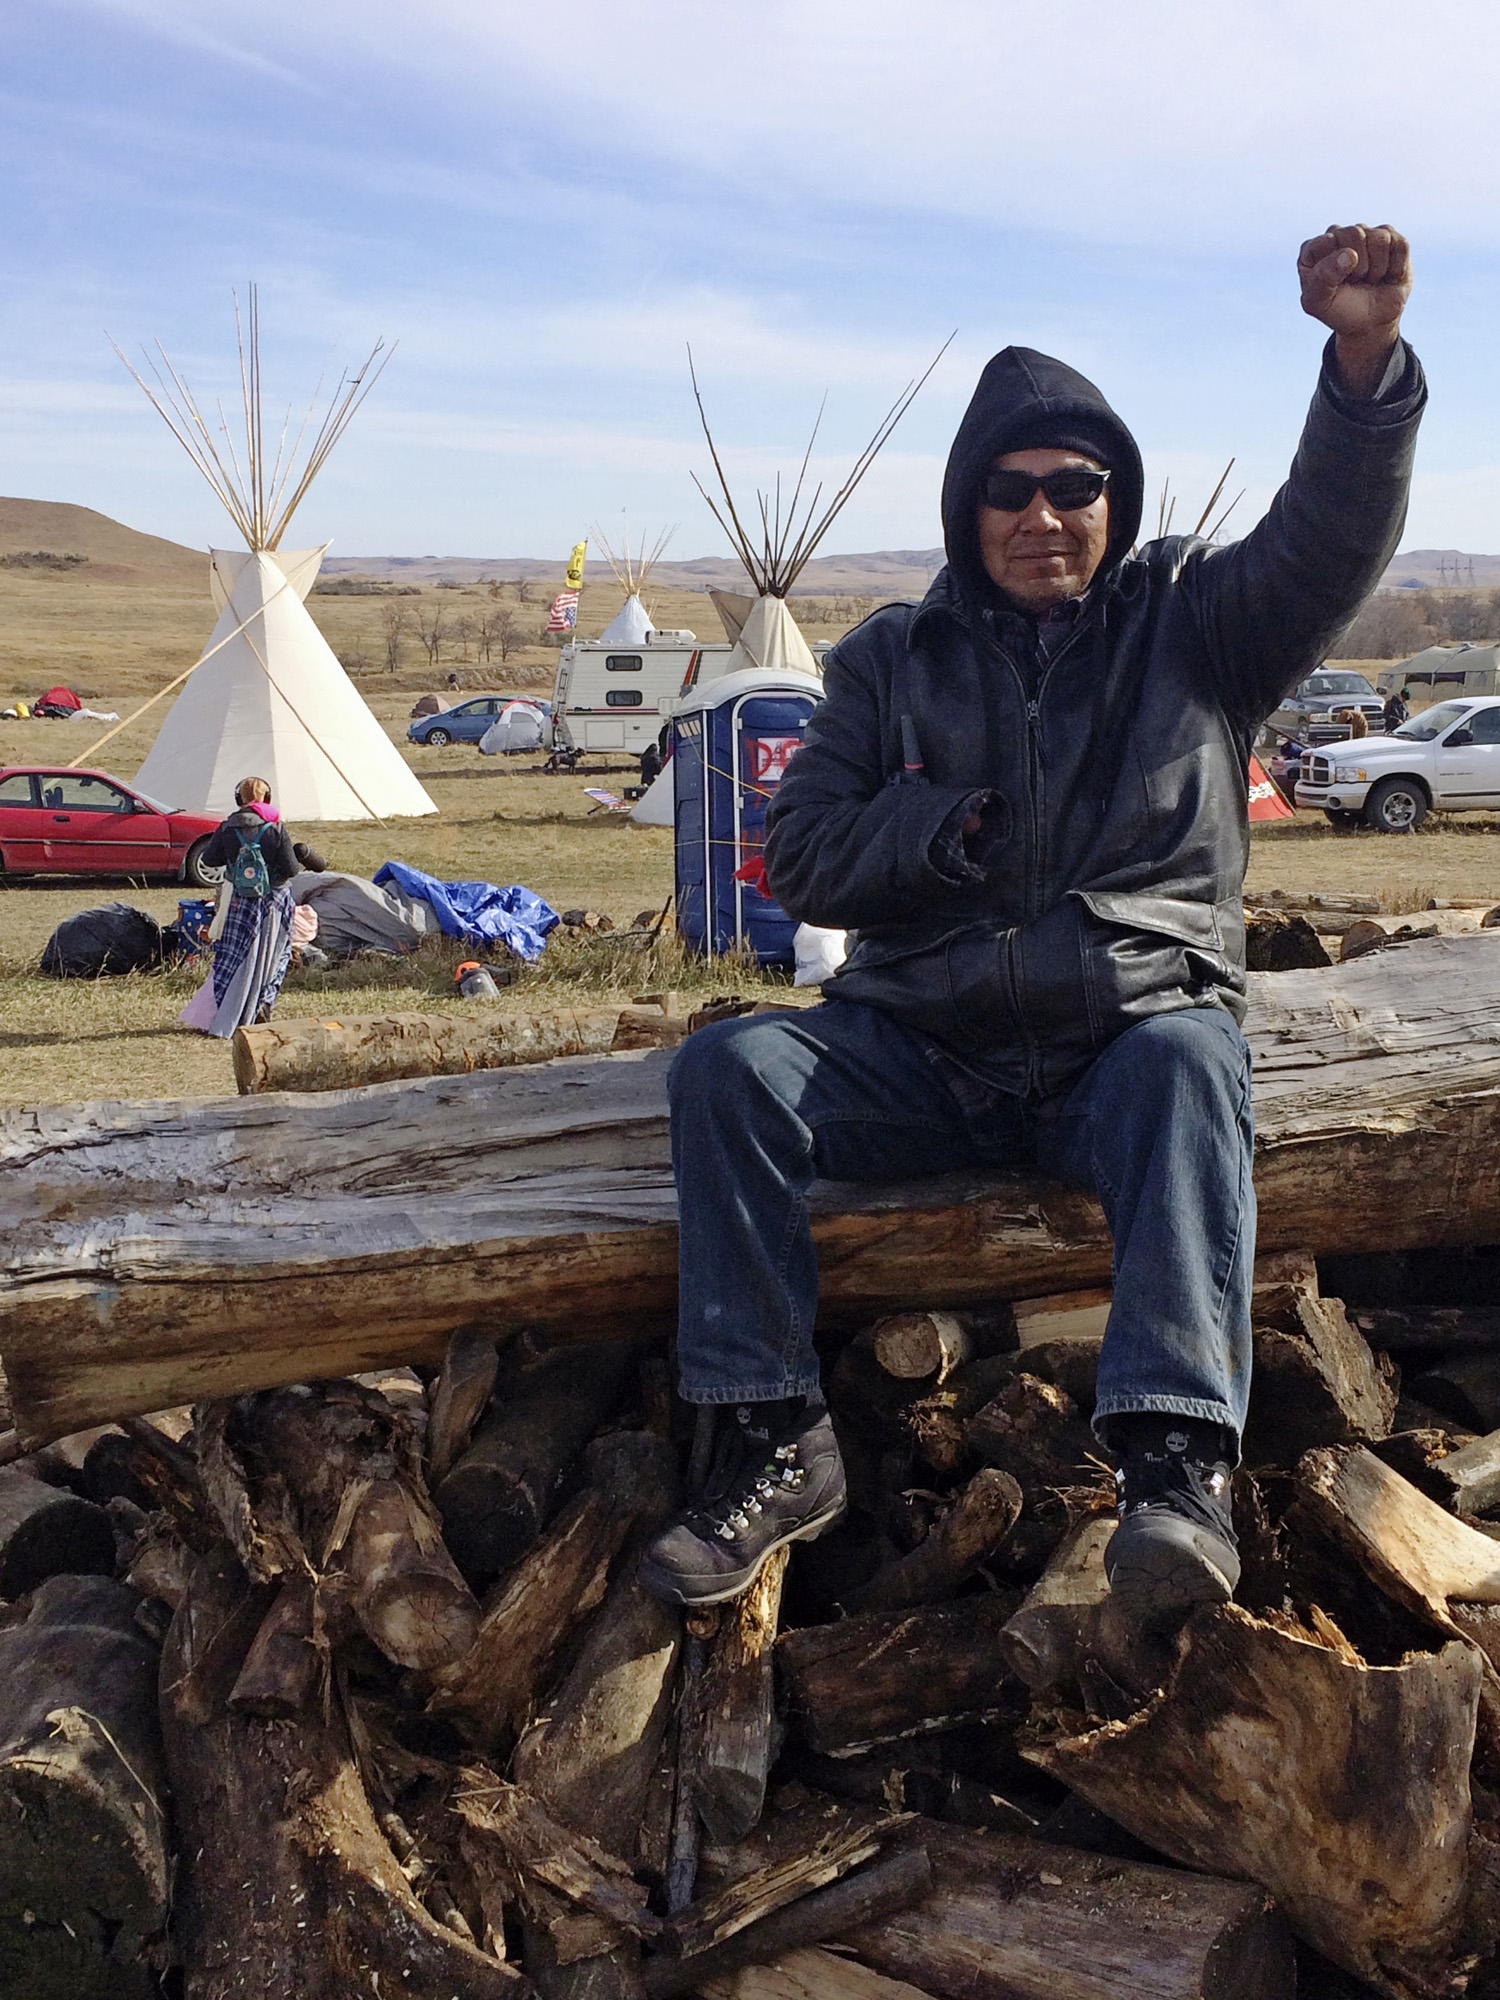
x=1034 y=870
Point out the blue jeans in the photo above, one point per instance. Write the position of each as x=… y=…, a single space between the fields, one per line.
x=1158 y=1128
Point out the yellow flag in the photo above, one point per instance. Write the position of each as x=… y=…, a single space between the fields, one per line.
x=575 y=565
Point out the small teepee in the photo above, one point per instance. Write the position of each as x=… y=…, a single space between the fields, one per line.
x=765 y=634
x=631 y=624
x=268 y=699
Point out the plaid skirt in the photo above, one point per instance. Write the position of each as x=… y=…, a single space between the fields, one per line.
x=250 y=959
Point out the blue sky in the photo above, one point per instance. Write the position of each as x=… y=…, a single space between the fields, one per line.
x=543 y=206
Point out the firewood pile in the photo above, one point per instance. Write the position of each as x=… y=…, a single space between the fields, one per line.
x=349 y=1688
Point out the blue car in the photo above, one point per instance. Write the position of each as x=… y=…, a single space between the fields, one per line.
x=464 y=724
x=468 y=721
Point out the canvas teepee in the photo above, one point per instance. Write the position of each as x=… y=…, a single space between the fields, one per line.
x=631 y=624
x=268 y=699
x=766 y=636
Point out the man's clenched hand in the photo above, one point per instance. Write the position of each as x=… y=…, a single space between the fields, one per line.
x=1357 y=280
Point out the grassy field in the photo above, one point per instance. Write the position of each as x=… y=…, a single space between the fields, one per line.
x=118 y=638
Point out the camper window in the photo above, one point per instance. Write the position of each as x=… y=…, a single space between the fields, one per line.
x=622 y=663
x=622 y=697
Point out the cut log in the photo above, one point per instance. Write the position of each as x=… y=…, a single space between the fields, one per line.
x=507 y=1485
x=592 y=1754
x=1342 y=1789
x=878 y=1678
x=734 y=1710
x=536 y=1845
x=489 y=1691
x=1033 y=1431
x=972 y=1531
x=807 y=1974
x=791 y=1854
x=459 y=1397
x=1043 y=1643
x=161 y=1253
x=1068 y=1316
x=354 y=1053
x=1417 y=1553
x=1277 y=941
x=1017 y=1919
x=1314 y=1382
x=1469 y=1478
x=888 y=1884
x=84 y=1876
x=45 y=1531
x=272 y=1819
x=912 y=1346
x=280 y=1675
x=339 y=1449
x=1464 y=1387
x=1430 y=1331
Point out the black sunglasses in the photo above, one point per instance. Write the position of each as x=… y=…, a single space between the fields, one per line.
x=1068 y=490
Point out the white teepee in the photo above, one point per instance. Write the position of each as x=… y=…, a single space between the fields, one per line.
x=766 y=636
x=271 y=701
x=268 y=699
x=631 y=624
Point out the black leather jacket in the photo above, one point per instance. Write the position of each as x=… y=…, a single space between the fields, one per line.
x=1107 y=757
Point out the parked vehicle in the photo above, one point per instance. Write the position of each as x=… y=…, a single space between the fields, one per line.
x=1318 y=699
x=66 y=822
x=466 y=722
x=1447 y=759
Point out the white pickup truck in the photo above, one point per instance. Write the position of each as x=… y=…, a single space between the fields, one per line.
x=1447 y=759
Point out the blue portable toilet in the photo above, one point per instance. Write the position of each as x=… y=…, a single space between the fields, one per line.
x=729 y=749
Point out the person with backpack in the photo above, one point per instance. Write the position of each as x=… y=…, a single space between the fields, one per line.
x=252 y=952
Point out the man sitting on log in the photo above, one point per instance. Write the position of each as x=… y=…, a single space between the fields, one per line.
x=1027 y=795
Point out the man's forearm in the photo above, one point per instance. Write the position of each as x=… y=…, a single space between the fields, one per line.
x=1363 y=362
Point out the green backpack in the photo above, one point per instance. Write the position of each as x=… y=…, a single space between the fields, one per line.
x=248 y=874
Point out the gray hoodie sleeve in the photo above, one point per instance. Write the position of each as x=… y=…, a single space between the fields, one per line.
x=848 y=843
x=1288 y=592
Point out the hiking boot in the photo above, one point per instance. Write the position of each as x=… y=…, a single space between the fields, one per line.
x=777 y=1478
x=1175 y=1546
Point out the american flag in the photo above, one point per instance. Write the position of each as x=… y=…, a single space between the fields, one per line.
x=564 y=613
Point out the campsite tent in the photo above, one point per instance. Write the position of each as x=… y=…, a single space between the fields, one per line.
x=271 y=701
x=267 y=698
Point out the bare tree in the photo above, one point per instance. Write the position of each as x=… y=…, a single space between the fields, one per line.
x=464 y=630
x=395 y=623
x=525 y=590
x=432 y=630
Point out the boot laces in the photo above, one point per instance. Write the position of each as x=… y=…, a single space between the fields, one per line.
x=779 y=1474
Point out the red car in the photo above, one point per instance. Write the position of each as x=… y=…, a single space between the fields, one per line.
x=56 y=822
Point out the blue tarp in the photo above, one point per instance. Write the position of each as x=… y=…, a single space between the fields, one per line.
x=478 y=912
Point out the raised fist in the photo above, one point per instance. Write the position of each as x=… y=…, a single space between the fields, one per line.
x=1357 y=281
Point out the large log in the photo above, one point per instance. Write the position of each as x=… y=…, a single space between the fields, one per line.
x=1342 y=1789
x=1017 y=1919
x=161 y=1253
x=879 y=1677
x=331 y=1054
x=84 y=1875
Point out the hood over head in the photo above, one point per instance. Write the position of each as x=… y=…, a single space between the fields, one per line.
x=1024 y=400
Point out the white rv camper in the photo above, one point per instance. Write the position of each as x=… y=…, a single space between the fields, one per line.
x=615 y=698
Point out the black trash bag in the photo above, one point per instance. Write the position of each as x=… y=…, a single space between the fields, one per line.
x=114 y=938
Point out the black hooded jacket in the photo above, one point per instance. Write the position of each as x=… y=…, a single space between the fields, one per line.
x=1106 y=752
